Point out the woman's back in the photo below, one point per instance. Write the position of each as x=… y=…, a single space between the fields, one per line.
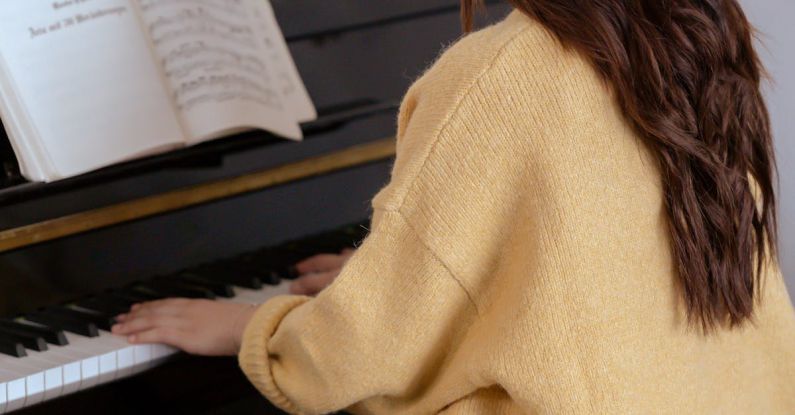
x=567 y=230
x=547 y=207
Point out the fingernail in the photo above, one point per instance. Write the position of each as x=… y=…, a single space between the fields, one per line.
x=121 y=317
x=132 y=338
x=135 y=307
x=116 y=328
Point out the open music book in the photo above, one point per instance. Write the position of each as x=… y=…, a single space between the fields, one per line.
x=88 y=83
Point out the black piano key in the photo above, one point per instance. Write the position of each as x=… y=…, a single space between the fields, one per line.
x=146 y=291
x=119 y=300
x=292 y=252
x=218 y=288
x=330 y=243
x=273 y=261
x=12 y=348
x=50 y=335
x=175 y=290
x=30 y=342
x=101 y=320
x=63 y=322
x=106 y=303
x=290 y=272
x=267 y=258
x=134 y=296
x=266 y=275
x=222 y=272
x=236 y=267
x=297 y=250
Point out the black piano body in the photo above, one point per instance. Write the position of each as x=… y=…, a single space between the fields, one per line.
x=70 y=239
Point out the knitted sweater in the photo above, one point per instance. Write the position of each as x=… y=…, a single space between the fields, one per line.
x=519 y=261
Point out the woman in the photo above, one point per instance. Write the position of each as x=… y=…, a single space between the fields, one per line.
x=580 y=219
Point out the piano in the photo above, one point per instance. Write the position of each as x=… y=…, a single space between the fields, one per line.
x=224 y=220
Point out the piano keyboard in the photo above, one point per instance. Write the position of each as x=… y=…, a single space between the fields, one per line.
x=60 y=350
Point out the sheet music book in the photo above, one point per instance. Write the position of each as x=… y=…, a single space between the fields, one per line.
x=88 y=83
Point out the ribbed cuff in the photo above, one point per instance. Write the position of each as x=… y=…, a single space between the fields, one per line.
x=254 y=358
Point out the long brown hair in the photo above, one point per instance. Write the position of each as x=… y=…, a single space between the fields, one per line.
x=687 y=76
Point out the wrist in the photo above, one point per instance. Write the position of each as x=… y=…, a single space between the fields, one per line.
x=240 y=323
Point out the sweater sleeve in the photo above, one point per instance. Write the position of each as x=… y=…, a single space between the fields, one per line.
x=392 y=333
x=348 y=345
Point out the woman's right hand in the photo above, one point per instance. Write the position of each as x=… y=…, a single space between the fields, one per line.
x=317 y=272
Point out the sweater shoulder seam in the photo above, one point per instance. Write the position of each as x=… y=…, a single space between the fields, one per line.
x=436 y=256
x=401 y=199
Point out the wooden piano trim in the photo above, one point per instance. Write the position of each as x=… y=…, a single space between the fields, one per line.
x=77 y=223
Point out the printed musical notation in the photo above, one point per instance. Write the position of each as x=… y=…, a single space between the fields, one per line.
x=222 y=6
x=211 y=52
x=272 y=45
x=196 y=55
x=196 y=19
x=207 y=85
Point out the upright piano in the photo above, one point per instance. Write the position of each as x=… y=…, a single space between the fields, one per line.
x=224 y=220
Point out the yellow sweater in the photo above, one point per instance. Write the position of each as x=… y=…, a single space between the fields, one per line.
x=518 y=262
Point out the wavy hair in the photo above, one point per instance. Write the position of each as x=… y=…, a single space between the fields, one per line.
x=686 y=75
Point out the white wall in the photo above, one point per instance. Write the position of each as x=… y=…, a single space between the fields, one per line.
x=775 y=20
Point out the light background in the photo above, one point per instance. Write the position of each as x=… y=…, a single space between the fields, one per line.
x=775 y=21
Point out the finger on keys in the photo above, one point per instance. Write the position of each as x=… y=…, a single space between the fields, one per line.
x=145 y=323
x=311 y=284
x=170 y=306
x=321 y=262
x=169 y=336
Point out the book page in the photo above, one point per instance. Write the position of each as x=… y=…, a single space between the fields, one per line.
x=15 y=121
x=88 y=81
x=288 y=80
x=217 y=67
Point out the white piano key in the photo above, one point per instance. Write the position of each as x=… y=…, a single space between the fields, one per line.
x=250 y=296
x=114 y=357
x=161 y=351
x=125 y=361
x=81 y=366
x=53 y=373
x=110 y=364
x=69 y=363
x=244 y=296
x=142 y=354
x=80 y=350
x=53 y=383
x=16 y=394
x=107 y=367
x=12 y=393
x=2 y=397
x=130 y=359
x=71 y=378
x=12 y=389
x=125 y=353
x=32 y=371
x=89 y=373
x=34 y=388
x=86 y=362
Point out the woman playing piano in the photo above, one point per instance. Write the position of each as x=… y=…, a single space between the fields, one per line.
x=581 y=219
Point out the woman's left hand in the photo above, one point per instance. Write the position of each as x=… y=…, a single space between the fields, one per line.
x=203 y=327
